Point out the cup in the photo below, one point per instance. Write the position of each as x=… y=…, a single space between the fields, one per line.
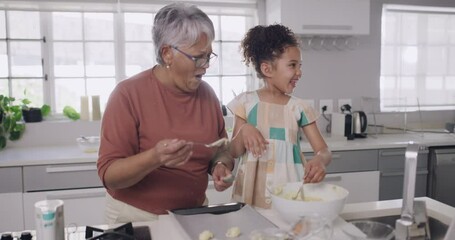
x=49 y=220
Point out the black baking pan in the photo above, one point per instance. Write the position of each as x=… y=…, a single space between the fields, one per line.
x=213 y=209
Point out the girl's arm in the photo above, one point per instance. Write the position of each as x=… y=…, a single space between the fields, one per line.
x=315 y=168
x=246 y=137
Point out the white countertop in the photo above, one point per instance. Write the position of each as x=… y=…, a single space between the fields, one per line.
x=64 y=154
x=385 y=141
x=45 y=155
x=164 y=228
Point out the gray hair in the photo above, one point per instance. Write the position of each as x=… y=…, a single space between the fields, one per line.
x=180 y=24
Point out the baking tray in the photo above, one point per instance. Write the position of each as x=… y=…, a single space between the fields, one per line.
x=213 y=209
x=213 y=219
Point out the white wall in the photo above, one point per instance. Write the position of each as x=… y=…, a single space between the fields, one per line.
x=62 y=132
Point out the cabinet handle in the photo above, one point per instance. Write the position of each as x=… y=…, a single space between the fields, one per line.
x=392 y=153
x=396 y=174
x=399 y=153
x=311 y=156
x=71 y=169
x=63 y=196
x=333 y=179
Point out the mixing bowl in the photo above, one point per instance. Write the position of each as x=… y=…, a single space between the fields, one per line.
x=324 y=199
x=88 y=144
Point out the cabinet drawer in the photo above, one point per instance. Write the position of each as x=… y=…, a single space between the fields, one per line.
x=391 y=185
x=351 y=161
x=11 y=212
x=10 y=179
x=393 y=159
x=81 y=206
x=61 y=176
x=362 y=186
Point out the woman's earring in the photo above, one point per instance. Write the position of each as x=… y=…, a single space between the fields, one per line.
x=167 y=66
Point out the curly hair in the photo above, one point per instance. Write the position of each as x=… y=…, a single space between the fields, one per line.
x=266 y=43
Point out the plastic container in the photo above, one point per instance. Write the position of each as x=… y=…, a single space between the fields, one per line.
x=89 y=144
x=373 y=230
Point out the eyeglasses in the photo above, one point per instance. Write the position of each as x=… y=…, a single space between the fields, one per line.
x=198 y=61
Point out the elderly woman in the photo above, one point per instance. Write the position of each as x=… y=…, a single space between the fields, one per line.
x=149 y=158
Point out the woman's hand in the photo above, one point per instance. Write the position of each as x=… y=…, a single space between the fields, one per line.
x=222 y=177
x=253 y=140
x=314 y=170
x=173 y=153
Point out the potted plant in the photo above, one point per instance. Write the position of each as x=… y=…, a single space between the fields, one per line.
x=10 y=126
x=34 y=114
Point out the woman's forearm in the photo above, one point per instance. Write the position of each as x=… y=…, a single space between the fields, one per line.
x=126 y=172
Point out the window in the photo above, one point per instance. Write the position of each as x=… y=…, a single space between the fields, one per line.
x=417 y=58
x=21 y=68
x=59 y=54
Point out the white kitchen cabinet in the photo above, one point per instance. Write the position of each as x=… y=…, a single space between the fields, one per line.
x=357 y=171
x=80 y=206
x=362 y=186
x=78 y=185
x=391 y=166
x=216 y=197
x=11 y=212
x=11 y=199
x=321 y=17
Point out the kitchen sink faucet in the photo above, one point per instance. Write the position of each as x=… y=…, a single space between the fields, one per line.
x=413 y=223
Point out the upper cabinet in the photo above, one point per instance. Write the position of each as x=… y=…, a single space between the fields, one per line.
x=321 y=17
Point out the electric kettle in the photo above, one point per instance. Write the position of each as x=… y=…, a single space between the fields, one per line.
x=359 y=122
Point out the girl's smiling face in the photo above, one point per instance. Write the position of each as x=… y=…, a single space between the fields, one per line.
x=286 y=70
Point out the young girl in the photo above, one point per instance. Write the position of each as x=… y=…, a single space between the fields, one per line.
x=269 y=121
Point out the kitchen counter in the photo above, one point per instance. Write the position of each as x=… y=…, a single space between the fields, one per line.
x=22 y=156
x=381 y=141
x=164 y=228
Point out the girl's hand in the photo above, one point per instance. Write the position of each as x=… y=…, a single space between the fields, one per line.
x=314 y=170
x=173 y=153
x=253 y=140
x=222 y=177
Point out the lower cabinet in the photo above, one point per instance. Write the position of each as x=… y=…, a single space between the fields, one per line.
x=362 y=186
x=81 y=206
x=391 y=166
x=11 y=199
x=357 y=171
x=11 y=212
x=78 y=185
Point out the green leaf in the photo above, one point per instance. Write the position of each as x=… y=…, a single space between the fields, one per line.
x=19 y=127
x=45 y=110
x=71 y=113
x=15 y=135
x=11 y=126
x=25 y=101
x=7 y=123
x=2 y=142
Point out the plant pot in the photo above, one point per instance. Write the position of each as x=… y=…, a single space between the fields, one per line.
x=32 y=115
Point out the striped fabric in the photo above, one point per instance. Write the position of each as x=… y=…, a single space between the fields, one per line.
x=281 y=126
